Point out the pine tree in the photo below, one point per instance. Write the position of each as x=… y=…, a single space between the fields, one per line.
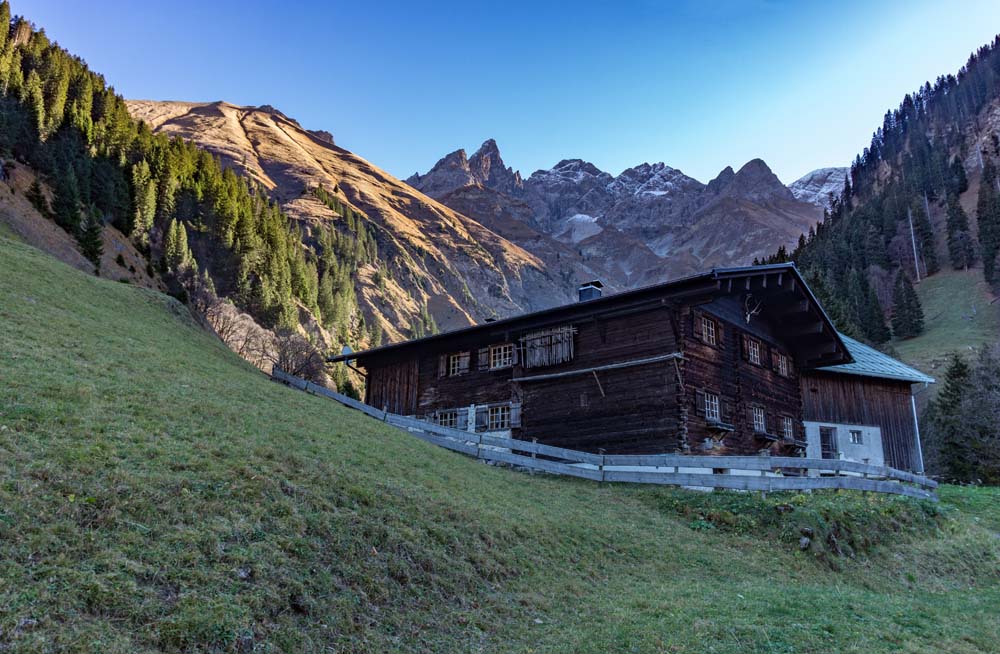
x=876 y=253
x=66 y=205
x=867 y=312
x=958 y=182
x=37 y=199
x=33 y=96
x=948 y=439
x=176 y=252
x=907 y=314
x=91 y=243
x=143 y=202
x=925 y=238
x=5 y=22
x=326 y=302
x=988 y=216
x=960 y=247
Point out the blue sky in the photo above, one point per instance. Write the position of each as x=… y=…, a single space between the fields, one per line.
x=698 y=85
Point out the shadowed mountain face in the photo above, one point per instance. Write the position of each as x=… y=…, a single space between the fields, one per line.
x=649 y=223
x=459 y=268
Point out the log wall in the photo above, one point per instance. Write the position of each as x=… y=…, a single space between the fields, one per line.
x=625 y=410
x=723 y=369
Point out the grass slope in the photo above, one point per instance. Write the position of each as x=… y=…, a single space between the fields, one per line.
x=958 y=315
x=156 y=493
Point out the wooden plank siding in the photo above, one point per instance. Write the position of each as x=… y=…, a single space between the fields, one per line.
x=857 y=400
x=392 y=386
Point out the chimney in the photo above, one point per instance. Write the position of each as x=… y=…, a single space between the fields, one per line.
x=590 y=290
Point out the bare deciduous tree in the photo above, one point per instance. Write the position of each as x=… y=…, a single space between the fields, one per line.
x=294 y=354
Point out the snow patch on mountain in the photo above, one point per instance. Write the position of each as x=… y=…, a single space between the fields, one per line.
x=579 y=227
x=815 y=187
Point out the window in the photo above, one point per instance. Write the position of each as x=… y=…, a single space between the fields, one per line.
x=448 y=418
x=501 y=356
x=712 y=407
x=499 y=418
x=454 y=365
x=759 y=420
x=781 y=364
x=857 y=438
x=708 y=330
x=753 y=351
x=787 y=428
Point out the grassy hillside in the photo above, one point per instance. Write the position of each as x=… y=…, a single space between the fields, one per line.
x=958 y=316
x=156 y=493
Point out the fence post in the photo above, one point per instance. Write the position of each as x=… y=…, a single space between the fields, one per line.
x=601 y=451
x=479 y=446
x=533 y=455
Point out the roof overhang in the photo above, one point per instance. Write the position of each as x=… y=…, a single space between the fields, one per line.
x=792 y=309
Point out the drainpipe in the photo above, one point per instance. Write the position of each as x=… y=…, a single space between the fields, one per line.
x=916 y=431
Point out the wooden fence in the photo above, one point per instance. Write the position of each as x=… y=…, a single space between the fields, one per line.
x=748 y=473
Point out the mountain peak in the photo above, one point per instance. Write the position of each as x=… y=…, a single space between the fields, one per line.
x=488 y=168
x=755 y=181
x=457 y=170
x=656 y=179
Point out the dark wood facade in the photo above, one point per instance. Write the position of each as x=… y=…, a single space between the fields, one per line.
x=707 y=364
x=835 y=399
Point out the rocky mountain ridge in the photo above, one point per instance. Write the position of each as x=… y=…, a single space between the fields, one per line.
x=649 y=223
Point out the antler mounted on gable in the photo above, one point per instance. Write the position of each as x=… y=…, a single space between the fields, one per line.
x=751 y=307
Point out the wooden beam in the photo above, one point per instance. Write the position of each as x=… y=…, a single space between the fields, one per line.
x=599 y=387
x=610 y=366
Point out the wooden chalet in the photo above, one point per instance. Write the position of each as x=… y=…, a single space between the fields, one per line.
x=714 y=363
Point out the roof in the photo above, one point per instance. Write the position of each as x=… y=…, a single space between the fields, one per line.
x=693 y=283
x=869 y=362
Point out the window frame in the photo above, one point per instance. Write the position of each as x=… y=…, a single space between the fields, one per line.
x=782 y=367
x=504 y=349
x=709 y=331
x=754 y=350
x=498 y=417
x=860 y=437
x=712 y=406
x=448 y=418
x=455 y=364
x=759 y=427
x=788 y=427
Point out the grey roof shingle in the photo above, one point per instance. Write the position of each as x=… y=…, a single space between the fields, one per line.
x=869 y=362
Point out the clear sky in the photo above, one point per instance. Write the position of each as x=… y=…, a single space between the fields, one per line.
x=698 y=85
